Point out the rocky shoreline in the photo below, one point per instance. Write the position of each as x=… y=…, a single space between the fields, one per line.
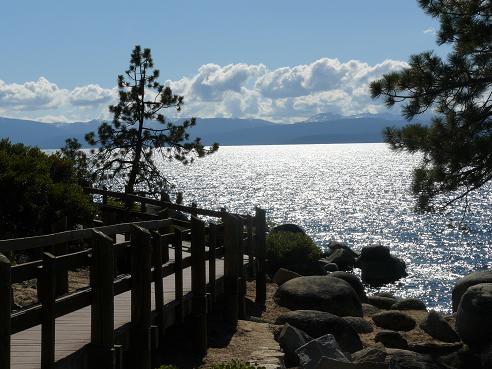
x=333 y=323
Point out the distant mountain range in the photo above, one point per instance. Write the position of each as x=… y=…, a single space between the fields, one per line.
x=321 y=128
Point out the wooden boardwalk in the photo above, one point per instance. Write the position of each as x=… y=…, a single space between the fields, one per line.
x=73 y=331
x=148 y=272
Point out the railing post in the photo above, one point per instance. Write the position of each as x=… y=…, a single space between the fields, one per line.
x=231 y=291
x=102 y=353
x=250 y=248
x=241 y=280
x=141 y=297
x=5 y=310
x=193 y=210
x=198 y=286
x=212 y=245
x=61 y=273
x=178 y=274
x=260 y=225
x=47 y=297
x=157 y=277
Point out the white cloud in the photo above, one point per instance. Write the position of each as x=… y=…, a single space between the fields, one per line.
x=429 y=30
x=234 y=90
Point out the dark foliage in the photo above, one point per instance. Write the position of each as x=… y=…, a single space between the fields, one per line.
x=457 y=146
x=36 y=190
x=127 y=147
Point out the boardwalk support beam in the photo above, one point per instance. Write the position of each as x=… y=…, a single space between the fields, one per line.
x=5 y=310
x=231 y=273
x=198 y=287
x=102 y=308
x=141 y=297
x=260 y=225
x=47 y=297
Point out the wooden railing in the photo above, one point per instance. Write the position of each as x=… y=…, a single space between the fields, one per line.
x=146 y=244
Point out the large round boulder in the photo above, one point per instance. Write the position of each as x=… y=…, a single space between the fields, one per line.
x=409 y=304
x=394 y=320
x=378 y=266
x=335 y=245
x=391 y=339
x=483 y=276
x=292 y=228
x=354 y=281
x=318 y=323
x=474 y=317
x=381 y=302
x=343 y=258
x=322 y=293
x=283 y=275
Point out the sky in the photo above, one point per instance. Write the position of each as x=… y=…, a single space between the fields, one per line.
x=278 y=60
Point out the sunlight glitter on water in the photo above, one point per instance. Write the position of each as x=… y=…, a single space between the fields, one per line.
x=357 y=193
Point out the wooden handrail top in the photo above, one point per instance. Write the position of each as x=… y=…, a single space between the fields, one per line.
x=163 y=204
x=17 y=244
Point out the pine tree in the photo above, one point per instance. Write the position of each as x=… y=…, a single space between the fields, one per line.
x=139 y=131
x=457 y=145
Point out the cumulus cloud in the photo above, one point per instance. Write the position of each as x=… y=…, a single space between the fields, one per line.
x=429 y=31
x=235 y=90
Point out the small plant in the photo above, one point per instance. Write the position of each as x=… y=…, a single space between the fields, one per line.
x=236 y=364
x=290 y=250
x=168 y=366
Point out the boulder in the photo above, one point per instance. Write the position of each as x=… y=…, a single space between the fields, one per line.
x=484 y=276
x=379 y=267
x=391 y=339
x=290 y=339
x=381 y=302
x=386 y=294
x=343 y=258
x=323 y=293
x=394 y=320
x=409 y=304
x=309 y=268
x=370 y=354
x=318 y=323
x=437 y=327
x=292 y=228
x=283 y=275
x=360 y=325
x=325 y=346
x=412 y=360
x=354 y=281
x=474 y=317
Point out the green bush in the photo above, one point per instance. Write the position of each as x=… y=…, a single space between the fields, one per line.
x=290 y=250
x=37 y=190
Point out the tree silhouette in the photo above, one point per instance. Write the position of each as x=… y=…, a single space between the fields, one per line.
x=457 y=145
x=139 y=131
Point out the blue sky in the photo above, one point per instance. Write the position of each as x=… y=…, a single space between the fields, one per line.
x=74 y=51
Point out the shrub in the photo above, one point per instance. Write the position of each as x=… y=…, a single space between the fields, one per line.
x=290 y=250
x=36 y=190
x=236 y=364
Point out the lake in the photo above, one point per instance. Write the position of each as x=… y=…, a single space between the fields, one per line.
x=356 y=193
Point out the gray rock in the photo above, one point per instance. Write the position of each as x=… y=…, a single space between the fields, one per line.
x=409 y=304
x=327 y=363
x=370 y=354
x=474 y=318
x=328 y=267
x=437 y=327
x=360 y=325
x=336 y=245
x=484 y=276
x=283 y=275
x=288 y=227
x=318 y=323
x=325 y=346
x=435 y=348
x=394 y=320
x=354 y=281
x=381 y=302
x=391 y=339
x=379 y=267
x=323 y=293
x=369 y=310
x=343 y=258
x=386 y=294
x=290 y=339
x=412 y=360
